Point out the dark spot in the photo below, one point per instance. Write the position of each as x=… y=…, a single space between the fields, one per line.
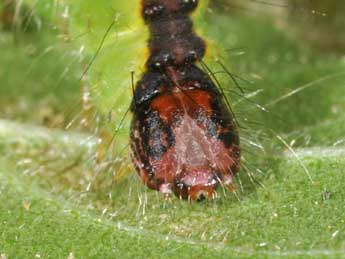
x=201 y=197
x=156 y=136
x=156 y=151
x=188 y=5
x=150 y=85
x=194 y=78
x=161 y=60
x=227 y=138
x=152 y=12
x=191 y=57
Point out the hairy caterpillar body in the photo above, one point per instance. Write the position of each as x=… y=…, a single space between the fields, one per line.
x=183 y=136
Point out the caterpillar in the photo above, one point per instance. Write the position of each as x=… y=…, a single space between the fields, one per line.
x=168 y=73
x=184 y=138
x=82 y=24
x=108 y=74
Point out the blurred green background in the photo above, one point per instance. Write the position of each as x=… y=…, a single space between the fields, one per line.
x=63 y=195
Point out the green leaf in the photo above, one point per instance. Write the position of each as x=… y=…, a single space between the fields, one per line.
x=57 y=201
